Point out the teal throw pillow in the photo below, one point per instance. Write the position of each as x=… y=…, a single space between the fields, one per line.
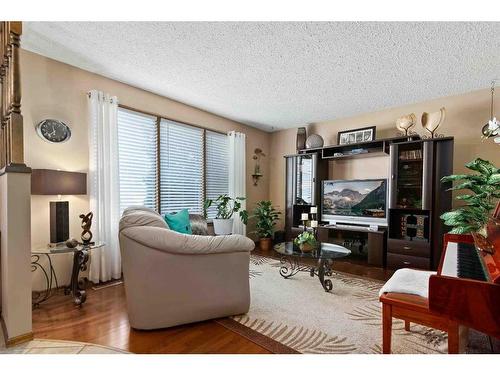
x=179 y=221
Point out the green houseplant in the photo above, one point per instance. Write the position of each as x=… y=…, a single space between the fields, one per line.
x=482 y=191
x=266 y=217
x=226 y=207
x=306 y=241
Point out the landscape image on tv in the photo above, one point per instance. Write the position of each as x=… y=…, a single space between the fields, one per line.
x=354 y=198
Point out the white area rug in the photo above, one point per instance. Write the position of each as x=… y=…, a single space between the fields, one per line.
x=298 y=313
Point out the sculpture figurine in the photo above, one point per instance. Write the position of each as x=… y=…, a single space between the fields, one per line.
x=405 y=123
x=432 y=121
x=86 y=224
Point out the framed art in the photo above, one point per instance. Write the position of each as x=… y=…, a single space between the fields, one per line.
x=356 y=135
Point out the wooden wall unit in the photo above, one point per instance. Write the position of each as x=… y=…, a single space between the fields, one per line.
x=415 y=192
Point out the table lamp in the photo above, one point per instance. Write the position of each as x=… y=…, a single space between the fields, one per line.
x=56 y=182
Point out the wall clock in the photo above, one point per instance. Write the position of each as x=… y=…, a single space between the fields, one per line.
x=53 y=131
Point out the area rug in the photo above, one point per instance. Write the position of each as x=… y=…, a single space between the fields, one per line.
x=300 y=315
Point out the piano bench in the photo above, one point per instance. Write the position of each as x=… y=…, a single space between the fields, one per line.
x=413 y=308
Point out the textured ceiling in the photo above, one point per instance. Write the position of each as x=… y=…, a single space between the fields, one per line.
x=279 y=75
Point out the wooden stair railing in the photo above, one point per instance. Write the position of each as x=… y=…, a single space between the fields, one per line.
x=11 y=120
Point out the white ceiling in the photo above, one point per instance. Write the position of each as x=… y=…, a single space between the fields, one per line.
x=280 y=75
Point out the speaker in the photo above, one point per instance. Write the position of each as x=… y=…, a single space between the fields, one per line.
x=59 y=221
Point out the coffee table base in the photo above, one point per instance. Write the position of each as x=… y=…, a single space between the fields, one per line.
x=290 y=266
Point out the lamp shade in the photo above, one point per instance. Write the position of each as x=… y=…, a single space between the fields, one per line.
x=52 y=182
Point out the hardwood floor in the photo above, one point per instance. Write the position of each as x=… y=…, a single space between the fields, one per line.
x=103 y=320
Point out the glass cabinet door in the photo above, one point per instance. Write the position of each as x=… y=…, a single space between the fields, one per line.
x=409 y=169
x=304 y=180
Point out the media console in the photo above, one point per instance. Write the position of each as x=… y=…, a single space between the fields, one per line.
x=362 y=241
x=415 y=199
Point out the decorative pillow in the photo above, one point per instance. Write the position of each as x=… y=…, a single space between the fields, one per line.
x=198 y=224
x=179 y=221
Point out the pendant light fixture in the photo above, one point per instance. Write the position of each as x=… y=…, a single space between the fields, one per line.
x=492 y=128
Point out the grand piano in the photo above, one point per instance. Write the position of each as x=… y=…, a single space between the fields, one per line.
x=466 y=288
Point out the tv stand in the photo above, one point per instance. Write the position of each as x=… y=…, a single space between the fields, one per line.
x=371 y=227
x=374 y=241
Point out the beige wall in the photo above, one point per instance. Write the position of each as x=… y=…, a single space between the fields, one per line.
x=52 y=89
x=14 y=257
x=465 y=115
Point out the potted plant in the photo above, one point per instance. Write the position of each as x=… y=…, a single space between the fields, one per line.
x=266 y=216
x=483 y=192
x=226 y=207
x=306 y=242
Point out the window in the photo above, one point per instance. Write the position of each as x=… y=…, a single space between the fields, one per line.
x=216 y=167
x=181 y=167
x=137 y=159
x=188 y=165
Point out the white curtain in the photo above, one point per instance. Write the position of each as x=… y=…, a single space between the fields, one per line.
x=104 y=188
x=237 y=173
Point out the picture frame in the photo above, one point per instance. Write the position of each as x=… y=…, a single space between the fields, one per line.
x=365 y=134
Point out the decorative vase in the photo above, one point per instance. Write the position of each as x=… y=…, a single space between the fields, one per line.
x=223 y=226
x=432 y=121
x=314 y=141
x=405 y=123
x=301 y=138
x=265 y=244
x=306 y=247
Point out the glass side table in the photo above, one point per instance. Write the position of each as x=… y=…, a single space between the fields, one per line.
x=76 y=287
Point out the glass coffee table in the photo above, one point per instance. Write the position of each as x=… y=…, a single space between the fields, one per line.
x=324 y=253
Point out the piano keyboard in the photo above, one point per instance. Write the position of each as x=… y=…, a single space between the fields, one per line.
x=462 y=260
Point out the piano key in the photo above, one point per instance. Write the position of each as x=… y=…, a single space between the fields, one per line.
x=462 y=260
x=469 y=263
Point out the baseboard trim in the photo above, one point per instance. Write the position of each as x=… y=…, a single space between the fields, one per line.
x=107 y=285
x=19 y=339
x=14 y=340
x=4 y=331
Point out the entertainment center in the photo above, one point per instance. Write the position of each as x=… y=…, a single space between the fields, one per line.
x=390 y=221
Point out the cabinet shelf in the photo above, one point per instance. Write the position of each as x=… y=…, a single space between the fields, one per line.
x=378 y=147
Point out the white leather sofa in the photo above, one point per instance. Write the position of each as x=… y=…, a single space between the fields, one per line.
x=172 y=278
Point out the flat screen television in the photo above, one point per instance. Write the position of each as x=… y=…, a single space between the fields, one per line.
x=360 y=202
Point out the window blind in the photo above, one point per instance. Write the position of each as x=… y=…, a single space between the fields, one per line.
x=217 y=181
x=137 y=153
x=181 y=167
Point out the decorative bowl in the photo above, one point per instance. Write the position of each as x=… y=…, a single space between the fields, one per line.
x=314 y=140
x=306 y=247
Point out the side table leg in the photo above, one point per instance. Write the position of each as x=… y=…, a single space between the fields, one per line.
x=324 y=269
x=289 y=267
x=39 y=297
x=80 y=258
